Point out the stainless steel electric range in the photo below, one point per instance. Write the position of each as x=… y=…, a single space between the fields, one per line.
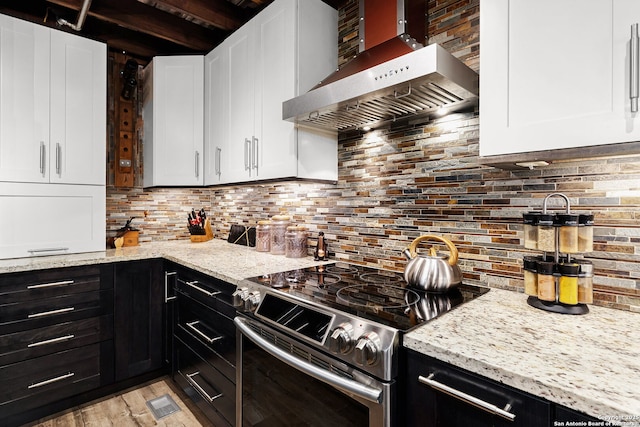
x=332 y=331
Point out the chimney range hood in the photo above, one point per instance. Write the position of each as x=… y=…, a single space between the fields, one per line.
x=392 y=77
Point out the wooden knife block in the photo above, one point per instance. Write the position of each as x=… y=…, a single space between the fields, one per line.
x=195 y=238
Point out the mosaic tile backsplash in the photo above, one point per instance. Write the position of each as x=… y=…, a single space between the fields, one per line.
x=398 y=183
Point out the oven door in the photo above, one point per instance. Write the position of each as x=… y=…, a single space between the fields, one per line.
x=282 y=382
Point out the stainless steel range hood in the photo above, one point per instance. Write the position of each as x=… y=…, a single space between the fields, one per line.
x=393 y=76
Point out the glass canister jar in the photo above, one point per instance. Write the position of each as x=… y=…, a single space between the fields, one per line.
x=530 y=221
x=585 y=233
x=296 y=241
x=568 y=233
x=568 y=283
x=530 y=276
x=263 y=236
x=546 y=233
x=279 y=224
x=585 y=282
x=546 y=281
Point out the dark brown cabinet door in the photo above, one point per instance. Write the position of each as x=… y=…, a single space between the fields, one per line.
x=139 y=300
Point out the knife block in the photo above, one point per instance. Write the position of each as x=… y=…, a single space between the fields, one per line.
x=208 y=236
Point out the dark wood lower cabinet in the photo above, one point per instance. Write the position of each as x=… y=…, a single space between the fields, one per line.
x=138 y=318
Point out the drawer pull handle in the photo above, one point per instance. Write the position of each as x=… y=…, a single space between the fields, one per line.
x=45 y=250
x=51 y=285
x=467 y=398
x=51 y=313
x=167 y=298
x=200 y=390
x=198 y=288
x=52 y=380
x=192 y=326
x=51 y=341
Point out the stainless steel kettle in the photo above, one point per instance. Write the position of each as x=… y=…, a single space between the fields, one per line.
x=432 y=273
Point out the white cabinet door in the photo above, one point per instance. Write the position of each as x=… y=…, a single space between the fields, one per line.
x=216 y=161
x=51 y=219
x=78 y=110
x=24 y=101
x=550 y=80
x=174 y=121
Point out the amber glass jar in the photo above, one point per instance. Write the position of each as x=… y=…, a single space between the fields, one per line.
x=546 y=233
x=279 y=224
x=263 y=236
x=568 y=283
x=530 y=221
x=585 y=233
x=567 y=233
x=296 y=241
x=546 y=281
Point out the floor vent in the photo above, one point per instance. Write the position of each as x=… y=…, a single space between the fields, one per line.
x=162 y=406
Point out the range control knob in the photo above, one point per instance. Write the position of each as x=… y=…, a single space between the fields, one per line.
x=341 y=339
x=367 y=348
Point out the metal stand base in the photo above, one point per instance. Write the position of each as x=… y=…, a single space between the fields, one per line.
x=557 y=307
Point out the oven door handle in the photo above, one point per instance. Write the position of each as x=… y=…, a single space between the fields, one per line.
x=363 y=391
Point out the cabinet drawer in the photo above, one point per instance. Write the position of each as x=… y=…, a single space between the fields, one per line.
x=39 y=313
x=212 y=292
x=46 y=379
x=34 y=285
x=207 y=387
x=50 y=339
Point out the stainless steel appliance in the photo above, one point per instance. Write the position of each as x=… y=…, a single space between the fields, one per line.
x=319 y=346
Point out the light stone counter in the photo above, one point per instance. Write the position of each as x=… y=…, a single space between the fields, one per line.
x=217 y=258
x=590 y=363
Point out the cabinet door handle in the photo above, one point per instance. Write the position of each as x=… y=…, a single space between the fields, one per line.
x=58 y=159
x=197 y=164
x=50 y=313
x=200 y=389
x=51 y=341
x=254 y=153
x=634 y=54
x=192 y=326
x=167 y=298
x=52 y=380
x=46 y=250
x=218 y=161
x=198 y=288
x=247 y=154
x=51 y=285
x=43 y=155
x=467 y=398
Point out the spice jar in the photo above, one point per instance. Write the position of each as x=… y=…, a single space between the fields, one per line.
x=568 y=233
x=546 y=281
x=585 y=282
x=546 y=233
x=263 y=236
x=530 y=276
x=279 y=224
x=568 y=284
x=530 y=221
x=585 y=233
x=296 y=242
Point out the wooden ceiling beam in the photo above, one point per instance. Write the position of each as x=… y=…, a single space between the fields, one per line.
x=221 y=15
x=146 y=19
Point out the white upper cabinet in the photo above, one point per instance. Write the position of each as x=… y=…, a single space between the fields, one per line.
x=556 y=74
x=173 y=113
x=284 y=51
x=52 y=105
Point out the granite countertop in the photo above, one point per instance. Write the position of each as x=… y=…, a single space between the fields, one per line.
x=590 y=363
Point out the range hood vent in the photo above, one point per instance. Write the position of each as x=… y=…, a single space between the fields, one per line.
x=393 y=76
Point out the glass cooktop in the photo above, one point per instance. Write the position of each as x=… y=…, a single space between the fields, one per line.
x=377 y=295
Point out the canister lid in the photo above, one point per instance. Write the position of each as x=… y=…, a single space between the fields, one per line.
x=585 y=267
x=585 y=219
x=296 y=228
x=568 y=269
x=567 y=219
x=281 y=217
x=264 y=222
x=545 y=267
x=530 y=264
x=530 y=218
x=545 y=219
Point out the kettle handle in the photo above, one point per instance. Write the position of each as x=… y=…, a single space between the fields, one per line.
x=453 y=258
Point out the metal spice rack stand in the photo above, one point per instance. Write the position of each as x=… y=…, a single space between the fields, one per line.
x=556 y=306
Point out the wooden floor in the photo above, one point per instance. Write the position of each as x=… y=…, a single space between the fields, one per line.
x=129 y=409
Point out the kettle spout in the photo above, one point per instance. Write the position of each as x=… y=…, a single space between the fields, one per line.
x=407 y=254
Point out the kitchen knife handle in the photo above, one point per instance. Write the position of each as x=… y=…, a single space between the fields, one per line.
x=197 y=164
x=254 y=153
x=58 y=159
x=634 y=54
x=218 y=160
x=467 y=398
x=247 y=150
x=43 y=154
